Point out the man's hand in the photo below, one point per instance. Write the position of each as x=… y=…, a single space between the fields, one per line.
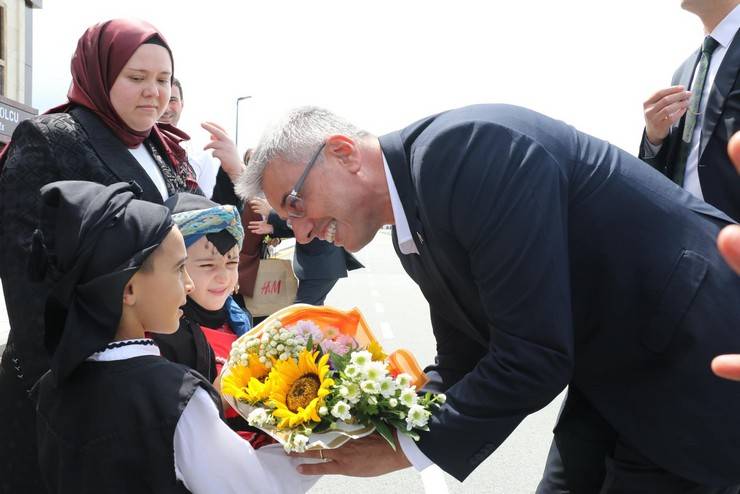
x=224 y=150
x=662 y=110
x=366 y=457
x=728 y=242
x=260 y=206
x=260 y=227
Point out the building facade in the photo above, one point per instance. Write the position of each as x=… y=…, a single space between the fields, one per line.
x=16 y=64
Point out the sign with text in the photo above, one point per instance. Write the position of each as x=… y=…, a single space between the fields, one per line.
x=11 y=114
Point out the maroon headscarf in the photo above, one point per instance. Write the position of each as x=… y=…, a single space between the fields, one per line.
x=102 y=52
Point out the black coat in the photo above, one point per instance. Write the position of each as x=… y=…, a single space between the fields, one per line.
x=720 y=183
x=45 y=149
x=552 y=258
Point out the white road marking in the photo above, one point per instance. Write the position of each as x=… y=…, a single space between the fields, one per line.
x=434 y=480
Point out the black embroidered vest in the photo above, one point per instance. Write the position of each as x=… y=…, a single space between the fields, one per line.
x=110 y=427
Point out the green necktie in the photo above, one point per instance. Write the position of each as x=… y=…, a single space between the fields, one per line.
x=697 y=88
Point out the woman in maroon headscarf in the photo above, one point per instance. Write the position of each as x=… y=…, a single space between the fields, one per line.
x=106 y=133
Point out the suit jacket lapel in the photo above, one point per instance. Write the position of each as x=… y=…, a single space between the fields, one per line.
x=114 y=155
x=393 y=149
x=723 y=84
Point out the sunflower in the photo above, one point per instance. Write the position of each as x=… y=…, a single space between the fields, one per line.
x=299 y=388
x=247 y=383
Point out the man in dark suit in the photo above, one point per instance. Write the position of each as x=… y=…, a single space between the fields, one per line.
x=549 y=259
x=686 y=133
x=318 y=265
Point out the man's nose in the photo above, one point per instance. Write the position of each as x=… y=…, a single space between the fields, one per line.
x=303 y=229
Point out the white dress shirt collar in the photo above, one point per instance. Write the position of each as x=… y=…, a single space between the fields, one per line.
x=405 y=240
x=725 y=31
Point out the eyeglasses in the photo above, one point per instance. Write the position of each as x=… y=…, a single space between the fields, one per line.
x=294 y=202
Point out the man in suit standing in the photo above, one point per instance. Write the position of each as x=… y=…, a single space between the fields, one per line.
x=318 y=264
x=686 y=133
x=549 y=259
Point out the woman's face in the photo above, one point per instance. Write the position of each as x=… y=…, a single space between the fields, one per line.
x=141 y=92
x=214 y=274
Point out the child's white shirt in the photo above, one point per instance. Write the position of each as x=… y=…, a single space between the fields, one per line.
x=209 y=456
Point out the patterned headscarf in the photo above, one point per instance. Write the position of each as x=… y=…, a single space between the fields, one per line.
x=197 y=216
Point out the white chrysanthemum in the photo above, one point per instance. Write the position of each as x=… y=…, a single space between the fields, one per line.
x=387 y=387
x=370 y=387
x=418 y=416
x=341 y=411
x=353 y=393
x=361 y=358
x=258 y=417
x=323 y=411
x=408 y=397
x=393 y=403
x=404 y=380
x=352 y=371
x=372 y=400
x=375 y=371
x=297 y=443
x=441 y=398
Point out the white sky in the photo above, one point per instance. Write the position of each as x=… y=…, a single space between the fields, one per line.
x=384 y=64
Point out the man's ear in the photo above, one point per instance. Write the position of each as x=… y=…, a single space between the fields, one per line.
x=129 y=292
x=345 y=150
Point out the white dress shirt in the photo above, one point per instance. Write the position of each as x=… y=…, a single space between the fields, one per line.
x=724 y=33
x=142 y=155
x=407 y=246
x=209 y=456
x=405 y=240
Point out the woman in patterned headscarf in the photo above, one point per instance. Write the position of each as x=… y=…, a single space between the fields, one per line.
x=106 y=132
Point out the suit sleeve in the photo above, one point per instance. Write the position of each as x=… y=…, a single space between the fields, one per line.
x=501 y=200
x=656 y=156
x=280 y=226
x=223 y=191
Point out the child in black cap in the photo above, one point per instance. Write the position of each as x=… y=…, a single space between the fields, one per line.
x=113 y=415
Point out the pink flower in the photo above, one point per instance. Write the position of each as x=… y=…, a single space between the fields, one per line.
x=306 y=329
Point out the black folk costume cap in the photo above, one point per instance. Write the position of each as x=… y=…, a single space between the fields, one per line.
x=91 y=240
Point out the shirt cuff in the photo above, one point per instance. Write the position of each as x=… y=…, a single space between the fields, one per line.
x=418 y=460
x=650 y=150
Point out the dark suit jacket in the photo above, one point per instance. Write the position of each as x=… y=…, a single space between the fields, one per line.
x=720 y=183
x=551 y=258
x=316 y=260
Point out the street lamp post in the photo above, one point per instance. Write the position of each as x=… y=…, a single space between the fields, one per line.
x=236 y=132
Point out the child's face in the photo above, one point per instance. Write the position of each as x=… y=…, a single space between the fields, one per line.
x=214 y=274
x=162 y=289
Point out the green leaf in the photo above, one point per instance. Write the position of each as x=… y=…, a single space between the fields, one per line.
x=385 y=431
x=339 y=361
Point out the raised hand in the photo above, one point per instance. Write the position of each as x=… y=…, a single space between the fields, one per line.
x=663 y=109
x=261 y=227
x=260 y=206
x=224 y=150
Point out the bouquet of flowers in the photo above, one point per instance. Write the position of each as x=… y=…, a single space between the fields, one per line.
x=316 y=377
